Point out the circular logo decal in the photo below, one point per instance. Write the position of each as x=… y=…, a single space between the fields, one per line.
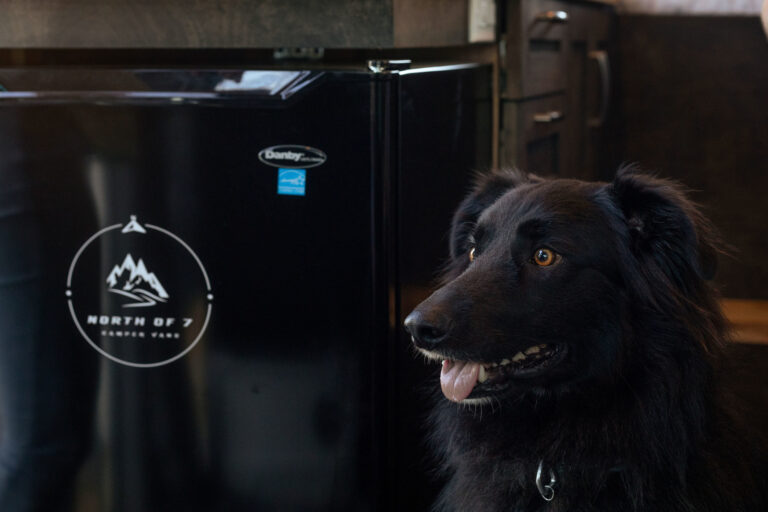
x=139 y=294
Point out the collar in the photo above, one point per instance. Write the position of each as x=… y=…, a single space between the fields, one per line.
x=546 y=477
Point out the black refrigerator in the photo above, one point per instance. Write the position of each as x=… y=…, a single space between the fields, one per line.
x=203 y=276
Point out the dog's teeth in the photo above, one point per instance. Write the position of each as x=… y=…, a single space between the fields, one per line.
x=532 y=350
x=505 y=361
x=482 y=377
x=518 y=357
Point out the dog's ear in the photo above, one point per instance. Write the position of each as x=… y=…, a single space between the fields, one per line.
x=666 y=230
x=487 y=189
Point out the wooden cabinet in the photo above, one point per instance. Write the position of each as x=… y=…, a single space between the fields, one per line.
x=556 y=90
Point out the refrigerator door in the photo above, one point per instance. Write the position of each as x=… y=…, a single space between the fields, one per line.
x=186 y=290
x=203 y=277
x=445 y=136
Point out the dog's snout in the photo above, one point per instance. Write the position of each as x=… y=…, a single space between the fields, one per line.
x=427 y=331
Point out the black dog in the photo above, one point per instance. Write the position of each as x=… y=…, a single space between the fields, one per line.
x=581 y=338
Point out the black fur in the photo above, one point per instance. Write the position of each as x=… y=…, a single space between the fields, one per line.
x=634 y=418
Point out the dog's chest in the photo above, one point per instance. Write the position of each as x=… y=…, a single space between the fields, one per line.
x=504 y=486
x=490 y=486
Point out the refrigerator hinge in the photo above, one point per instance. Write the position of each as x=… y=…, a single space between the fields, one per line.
x=388 y=66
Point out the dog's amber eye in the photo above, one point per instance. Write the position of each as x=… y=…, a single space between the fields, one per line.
x=472 y=254
x=544 y=257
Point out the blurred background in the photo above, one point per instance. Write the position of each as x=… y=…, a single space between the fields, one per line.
x=287 y=169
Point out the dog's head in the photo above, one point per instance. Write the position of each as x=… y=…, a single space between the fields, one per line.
x=550 y=282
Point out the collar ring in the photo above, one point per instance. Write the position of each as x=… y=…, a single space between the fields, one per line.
x=546 y=490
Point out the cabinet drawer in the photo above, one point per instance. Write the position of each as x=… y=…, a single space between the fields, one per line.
x=534 y=133
x=542 y=116
x=536 y=48
x=546 y=28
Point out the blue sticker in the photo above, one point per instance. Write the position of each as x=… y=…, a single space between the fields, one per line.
x=291 y=182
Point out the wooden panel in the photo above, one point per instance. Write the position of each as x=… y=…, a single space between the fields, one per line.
x=589 y=22
x=694 y=95
x=510 y=136
x=194 y=23
x=231 y=23
x=430 y=23
x=575 y=151
x=689 y=7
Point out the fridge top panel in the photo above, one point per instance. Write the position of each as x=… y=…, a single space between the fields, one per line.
x=178 y=86
x=155 y=85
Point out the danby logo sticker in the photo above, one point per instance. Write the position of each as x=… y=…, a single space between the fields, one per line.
x=292 y=157
x=138 y=294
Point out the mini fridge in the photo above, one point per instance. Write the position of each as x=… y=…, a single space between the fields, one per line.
x=203 y=276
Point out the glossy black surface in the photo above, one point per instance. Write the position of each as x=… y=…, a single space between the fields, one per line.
x=279 y=379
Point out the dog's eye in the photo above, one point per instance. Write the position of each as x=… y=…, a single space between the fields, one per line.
x=472 y=254
x=544 y=257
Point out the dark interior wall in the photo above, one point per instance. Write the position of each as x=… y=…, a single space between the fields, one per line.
x=694 y=101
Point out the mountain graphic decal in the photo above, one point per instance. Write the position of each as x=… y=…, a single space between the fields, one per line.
x=132 y=279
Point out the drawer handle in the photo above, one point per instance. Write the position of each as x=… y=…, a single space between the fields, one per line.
x=553 y=16
x=548 y=117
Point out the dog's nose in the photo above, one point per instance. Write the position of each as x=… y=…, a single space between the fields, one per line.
x=426 y=333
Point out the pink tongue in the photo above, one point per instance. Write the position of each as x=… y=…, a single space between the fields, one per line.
x=457 y=379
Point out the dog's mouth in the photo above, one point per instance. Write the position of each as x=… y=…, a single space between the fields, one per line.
x=467 y=380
